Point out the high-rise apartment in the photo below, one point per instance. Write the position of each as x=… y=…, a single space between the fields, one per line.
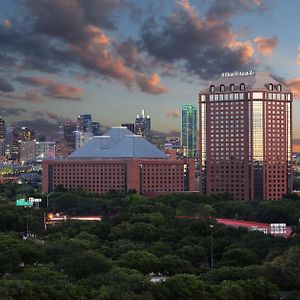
x=245 y=136
x=189 y=125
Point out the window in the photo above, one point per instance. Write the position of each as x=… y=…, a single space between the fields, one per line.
x=279 y=88
x=222 y=88
x=270 y=87
x=212 y=88
x=242 y=86
x=232 y=87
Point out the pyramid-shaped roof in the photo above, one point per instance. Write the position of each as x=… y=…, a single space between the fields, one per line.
x=118 y=142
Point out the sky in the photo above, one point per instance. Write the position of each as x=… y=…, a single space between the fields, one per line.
x=113 y=58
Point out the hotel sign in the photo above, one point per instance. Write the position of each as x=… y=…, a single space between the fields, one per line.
x=237 y=73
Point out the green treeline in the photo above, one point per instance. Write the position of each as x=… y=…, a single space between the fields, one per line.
x=139 y=239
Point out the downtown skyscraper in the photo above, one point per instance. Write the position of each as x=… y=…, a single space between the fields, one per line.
x=245 y=136
x=142 y=125
x=189 y=132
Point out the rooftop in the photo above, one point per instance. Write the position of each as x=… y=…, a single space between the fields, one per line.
x=257 y=81
x=117 y=142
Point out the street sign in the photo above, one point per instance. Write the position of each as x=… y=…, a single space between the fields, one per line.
x=23 y=202
x=35 y=200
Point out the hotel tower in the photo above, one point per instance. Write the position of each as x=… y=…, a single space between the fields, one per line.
x=245 y=127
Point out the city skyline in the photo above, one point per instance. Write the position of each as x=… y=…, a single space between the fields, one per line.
x=111 y=59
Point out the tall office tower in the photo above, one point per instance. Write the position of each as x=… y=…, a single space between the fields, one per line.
x=142 y=124
x=189 y=135
x=245 y=136
x=8 y=142
x=2 y=136
x=96 y=128
x=26 y=134
x=84 y=123
x=69 y=134
x=129 y=126
x=15 y=150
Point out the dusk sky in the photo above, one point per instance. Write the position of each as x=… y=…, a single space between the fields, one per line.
x=113 y=58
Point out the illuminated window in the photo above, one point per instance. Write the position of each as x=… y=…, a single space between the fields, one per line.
x=270 y=87
x=279 y=88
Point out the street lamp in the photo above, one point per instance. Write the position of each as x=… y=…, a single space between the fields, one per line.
x=48 y=195
x=211 y=247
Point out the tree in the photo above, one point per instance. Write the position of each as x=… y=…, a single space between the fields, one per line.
x=239 y=257
x=172 y=264
x=183 y=286
x=143 y=261
x=84 y=264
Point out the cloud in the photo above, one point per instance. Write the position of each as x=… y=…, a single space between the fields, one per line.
x=68 y=35
x=294 y=85
x=223 y=10
x=39 y=125
x=30 y=96
x=12 y=111
x=151 y=85
x=5 y=86
x=266 y=45
x=35 y=81
x=63 y=91
x=204 y=47
x=53 y=89
x=173 y=114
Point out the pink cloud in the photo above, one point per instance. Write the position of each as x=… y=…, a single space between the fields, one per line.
x=52 y=89
x=266 y=45
x=64 y=91
x=151 y=85
x=294 y=85
x=173 y=114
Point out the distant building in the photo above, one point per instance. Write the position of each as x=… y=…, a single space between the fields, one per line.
x=189 y=132
x=45 y=150
x=142 y=124
x=121 y=161
x=26 y=150
x=15 y=149
x=2 y=136
x=82 y=138
x=37 y=151
x=26 y=134
x=129 y=126
x=95 y=128
x=157 y=138
x=245 y=136
x=84 y=123
x=69 y=129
